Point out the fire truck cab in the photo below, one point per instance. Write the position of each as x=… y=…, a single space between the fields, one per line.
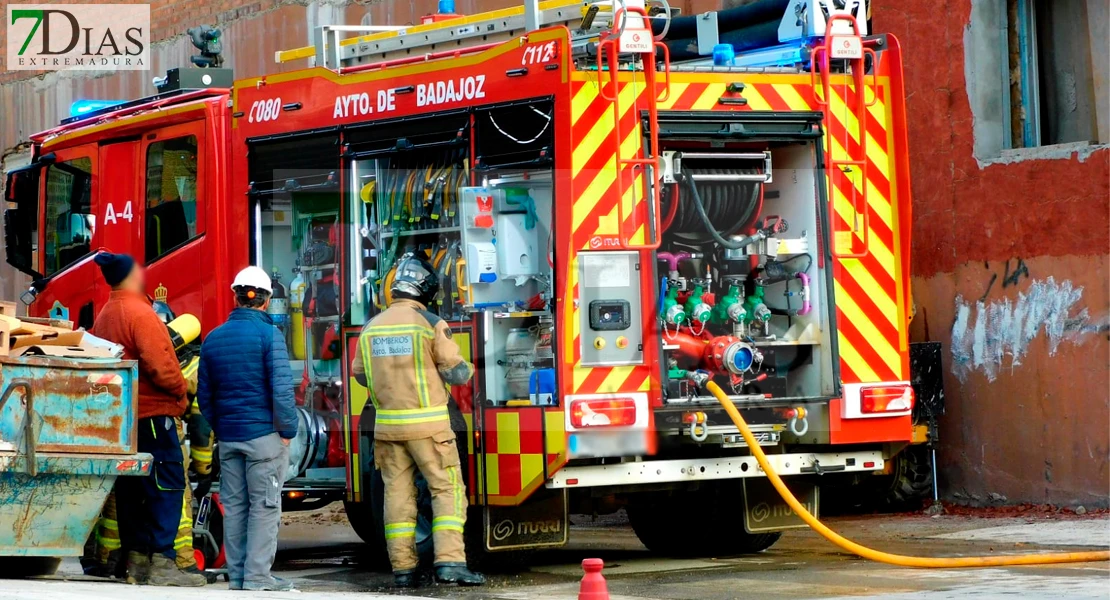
x=622 y=204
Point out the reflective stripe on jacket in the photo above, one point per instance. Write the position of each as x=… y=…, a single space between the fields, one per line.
x=405 y=356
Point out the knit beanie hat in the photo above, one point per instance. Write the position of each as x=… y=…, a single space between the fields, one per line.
x=114 y=267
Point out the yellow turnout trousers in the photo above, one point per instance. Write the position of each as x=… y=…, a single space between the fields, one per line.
x=438 y=460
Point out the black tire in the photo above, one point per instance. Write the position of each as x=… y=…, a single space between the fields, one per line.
x=367 y=518
x=22 y=567
x=361 y=521
x=910 y=482
x=655 y=521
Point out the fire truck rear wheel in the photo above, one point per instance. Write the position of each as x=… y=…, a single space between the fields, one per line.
x=653 y=519
x=360 y=520
x=910 y=481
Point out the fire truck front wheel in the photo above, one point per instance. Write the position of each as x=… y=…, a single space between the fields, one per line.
x=652 y=516
x=367 y=517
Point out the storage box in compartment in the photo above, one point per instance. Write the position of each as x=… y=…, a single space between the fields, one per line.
x=518 y=359
x=80 y=406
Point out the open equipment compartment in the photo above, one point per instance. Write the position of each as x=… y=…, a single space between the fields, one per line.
x=296 y=213
x=745 y=292
x=470 y=191
x=507 y=239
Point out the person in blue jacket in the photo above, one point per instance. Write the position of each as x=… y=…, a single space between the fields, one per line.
x=245 y=391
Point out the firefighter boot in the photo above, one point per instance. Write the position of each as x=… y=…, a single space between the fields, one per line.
x=458 y=574
x=405 y=579
x=138 y=568
x=164 y=572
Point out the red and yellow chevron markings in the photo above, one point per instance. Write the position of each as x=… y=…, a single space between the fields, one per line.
x=596 y=211
x=869 y=301
x=870 y=309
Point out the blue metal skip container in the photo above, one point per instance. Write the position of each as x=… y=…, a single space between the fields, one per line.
x=67 y=431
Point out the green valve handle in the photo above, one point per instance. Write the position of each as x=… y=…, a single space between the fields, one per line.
x=754 y=307
x=696 y=308
x=673 y=312
x=730 y=307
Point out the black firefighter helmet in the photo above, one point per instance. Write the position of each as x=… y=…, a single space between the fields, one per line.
x=416 y=279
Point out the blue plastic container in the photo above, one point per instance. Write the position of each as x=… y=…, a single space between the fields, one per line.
x=541 y=386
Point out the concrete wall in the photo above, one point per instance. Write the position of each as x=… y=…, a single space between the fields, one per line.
x=1010 y=269
x=1098 y=27
x=1010 y=252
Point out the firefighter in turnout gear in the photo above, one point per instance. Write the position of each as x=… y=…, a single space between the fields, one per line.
x=183 y=543
x=405 y=356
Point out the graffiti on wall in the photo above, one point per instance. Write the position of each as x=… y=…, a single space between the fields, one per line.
x=992 y=335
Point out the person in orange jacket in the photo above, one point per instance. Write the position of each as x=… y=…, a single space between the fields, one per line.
x=152 y=505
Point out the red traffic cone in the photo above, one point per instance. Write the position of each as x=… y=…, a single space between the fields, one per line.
x=593 y=583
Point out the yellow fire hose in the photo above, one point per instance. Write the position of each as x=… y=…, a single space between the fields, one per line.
x=875 y=555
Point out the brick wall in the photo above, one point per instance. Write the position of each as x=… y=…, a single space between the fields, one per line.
x=997 y=246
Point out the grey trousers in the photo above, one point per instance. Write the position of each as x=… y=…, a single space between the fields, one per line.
x=251 y=476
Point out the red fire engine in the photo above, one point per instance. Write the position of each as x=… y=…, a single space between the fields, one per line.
x=622 y=203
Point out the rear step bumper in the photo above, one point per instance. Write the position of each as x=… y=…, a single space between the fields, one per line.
x=705 y=469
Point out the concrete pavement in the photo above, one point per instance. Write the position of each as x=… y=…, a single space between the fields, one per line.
x=322 y=557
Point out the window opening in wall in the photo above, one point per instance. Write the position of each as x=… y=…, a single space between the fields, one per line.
x=70 y=221
x=171 y=195
x=1051 y=83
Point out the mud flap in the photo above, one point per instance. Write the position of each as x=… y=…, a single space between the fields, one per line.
x=540 y=522
x=766 y=511
x=927 y=377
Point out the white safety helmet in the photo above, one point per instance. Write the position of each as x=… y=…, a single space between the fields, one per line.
x=254 y=277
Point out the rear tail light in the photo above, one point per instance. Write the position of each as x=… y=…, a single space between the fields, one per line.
x=886 y=399
x=603 y=412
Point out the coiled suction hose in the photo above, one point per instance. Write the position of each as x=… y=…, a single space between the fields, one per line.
x=699 y=209
x=876 y=555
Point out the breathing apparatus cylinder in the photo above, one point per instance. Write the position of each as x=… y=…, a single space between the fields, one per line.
x=183 y=330
x=296 y=316
x=279 y=304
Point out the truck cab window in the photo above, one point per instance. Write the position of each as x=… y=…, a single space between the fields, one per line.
x=171 y=195
x=69 y=221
